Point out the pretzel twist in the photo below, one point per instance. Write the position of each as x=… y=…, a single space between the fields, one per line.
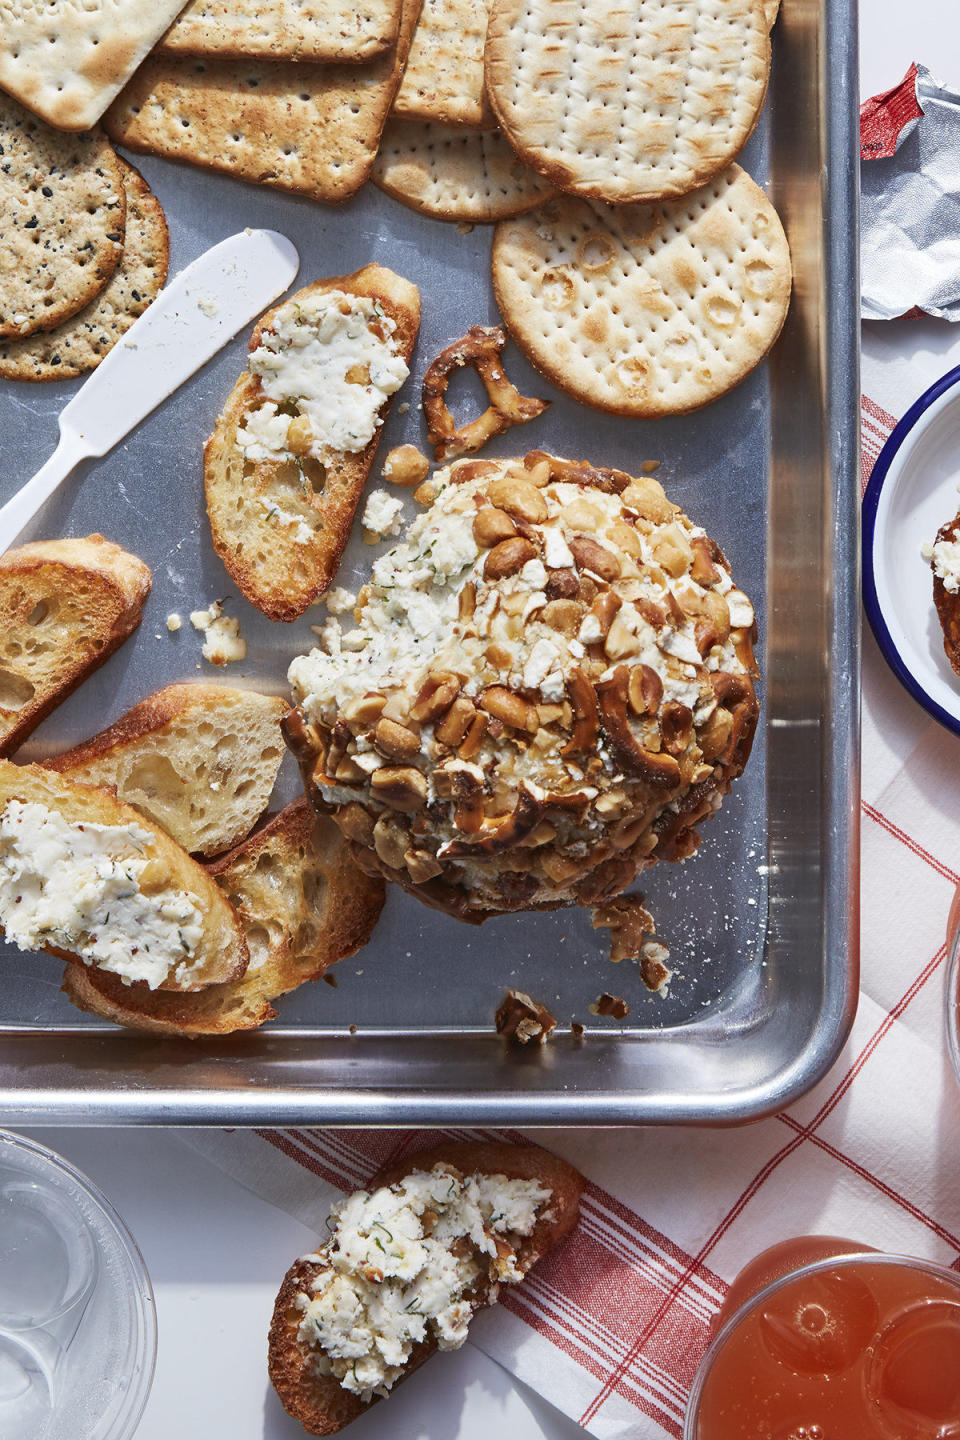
x=481 y=348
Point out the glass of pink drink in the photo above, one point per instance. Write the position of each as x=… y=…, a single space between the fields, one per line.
x=824 y=1339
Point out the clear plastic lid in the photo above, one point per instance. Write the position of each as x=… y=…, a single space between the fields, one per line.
x=78 y=1329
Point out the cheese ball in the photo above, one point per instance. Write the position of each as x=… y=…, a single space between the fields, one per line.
x=547 y=687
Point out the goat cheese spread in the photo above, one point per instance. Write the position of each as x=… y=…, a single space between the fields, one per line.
x=405 y=1264
x=332 y=359
x=944 y=556
x=77 y=886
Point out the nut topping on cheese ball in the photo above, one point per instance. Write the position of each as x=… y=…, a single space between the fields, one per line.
x=547 y=687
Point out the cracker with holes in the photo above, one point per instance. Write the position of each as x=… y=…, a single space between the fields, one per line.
x=66 y=61
x=62 y=216
x=627 y=102
x=453 y=174
x=284 y=29
x=312 y=129
x=481 y=348
x=443 y=80
x=287 y=462
x=646 y=310
x=80 y=343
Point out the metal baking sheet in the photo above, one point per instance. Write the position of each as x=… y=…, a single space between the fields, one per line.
x=760 y=922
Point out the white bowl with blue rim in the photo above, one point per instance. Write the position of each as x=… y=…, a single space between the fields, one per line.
x=913 y=491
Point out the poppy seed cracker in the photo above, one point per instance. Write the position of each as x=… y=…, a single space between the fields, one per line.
x=62 y=217
x=80 y=343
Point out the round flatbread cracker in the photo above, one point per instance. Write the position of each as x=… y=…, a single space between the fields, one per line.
x=454 y=174
x=646 y=310
x=626 y=102
x=62 y=215
x=80 y=343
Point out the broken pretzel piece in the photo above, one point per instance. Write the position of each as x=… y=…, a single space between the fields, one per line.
x=629 y=923
x=482 y=348
x=613 y=1005
x=520 y=1019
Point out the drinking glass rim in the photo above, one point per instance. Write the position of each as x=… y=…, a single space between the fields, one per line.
x=812 y=1267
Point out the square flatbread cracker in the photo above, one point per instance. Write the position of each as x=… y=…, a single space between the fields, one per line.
x=80 y=343
x=444 y=75
x=284 y=29
x=66 y=61
x=62 y=212
x=313 y=129
x=626 y=102
x=452 y=174
x=646 y=310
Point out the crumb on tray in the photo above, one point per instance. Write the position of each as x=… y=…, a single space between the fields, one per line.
x=520 y=1019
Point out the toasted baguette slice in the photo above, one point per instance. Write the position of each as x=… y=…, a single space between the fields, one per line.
x=280 y=527
x=200 y=760
x=221 y=952
x=319 y=1402
x=947 y=601
x=65 y=606
x=304 y=905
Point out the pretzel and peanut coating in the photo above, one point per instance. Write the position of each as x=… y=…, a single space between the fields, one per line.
x=548 y=687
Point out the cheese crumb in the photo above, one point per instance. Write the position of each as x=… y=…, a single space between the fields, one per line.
x=338 y=600
x=381 y=514
x=173 y=621
x=223 y=642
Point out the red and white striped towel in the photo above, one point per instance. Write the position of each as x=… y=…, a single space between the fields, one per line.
x=612 y=1327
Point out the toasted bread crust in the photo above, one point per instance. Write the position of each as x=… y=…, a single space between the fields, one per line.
x=291 y=882
x=320 y=1403
x=93 y=593
x=222 y=952
x=119 y=756
x=276 y=573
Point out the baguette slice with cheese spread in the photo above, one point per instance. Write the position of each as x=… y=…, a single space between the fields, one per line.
x=516 y=1184
x=200 y=760
x=287 y=462
x=65 y=606
x=93 y=881
x=304 y=904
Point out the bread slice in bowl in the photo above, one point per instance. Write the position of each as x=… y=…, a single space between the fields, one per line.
x=93 y=881
x=392 y=1251
x=304 y=904
x=65 y=607
x=200 y=760
x=284 y=471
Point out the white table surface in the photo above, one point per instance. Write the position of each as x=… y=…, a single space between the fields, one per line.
x=216 y=1253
